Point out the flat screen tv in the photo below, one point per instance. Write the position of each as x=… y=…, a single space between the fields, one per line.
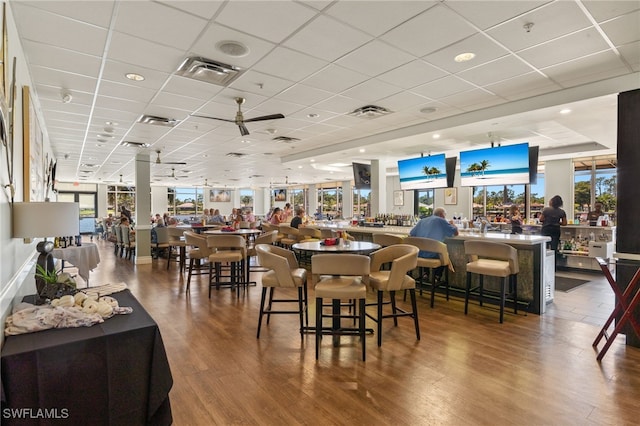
x=362 y=175
x=503 y=165
x=533 y=164
x=423 y=172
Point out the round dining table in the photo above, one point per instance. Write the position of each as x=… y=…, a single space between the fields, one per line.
x=353 y=247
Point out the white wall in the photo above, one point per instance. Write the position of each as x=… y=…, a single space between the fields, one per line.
x=159 y=197
x=558 y=180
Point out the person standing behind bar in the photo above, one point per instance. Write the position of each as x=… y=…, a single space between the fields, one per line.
x=435 y=227
x=594 y=215
x=516 y=219
x=552 y=218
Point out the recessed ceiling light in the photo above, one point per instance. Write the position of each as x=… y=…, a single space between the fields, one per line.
x=299 y=167
x=205 y=155
x=232 y=48
x=565 y=111
x=362 y=150
x=103 y=136
x=133 y=76
x=100 y=145
x=464 y=57
x=312 y=160
x=313 y=115
x=428 y=110
x=110 y=123
x=436 y=136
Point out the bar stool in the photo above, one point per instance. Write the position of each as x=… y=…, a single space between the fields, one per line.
x=269 y=237
x=403 y=258
x=176 y=236
x=230 y=249
x=199 y=252
x=291 y=235
x=283 y=272
x=386 y=240
x=340 y=277
x=430 y=264
x=496 y=260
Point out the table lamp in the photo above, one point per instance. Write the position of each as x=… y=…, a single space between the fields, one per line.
x=43 y=220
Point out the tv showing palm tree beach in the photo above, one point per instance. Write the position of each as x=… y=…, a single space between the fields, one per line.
x=503 y=165
x=423 y=172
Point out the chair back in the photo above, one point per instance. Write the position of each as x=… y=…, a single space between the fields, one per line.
x=289 y=231
x=219 y=242
x=490 y=250
x=281 y=261
x=430 y=245
x=328 y=233
x=174 y=234
x=309 y=233
x=125 y=234
x=386 y=240
x=403 y=258
x=340 y=264
x=269 y=237
x=245 y=224
x=162 y=235
x=115 y=229
x=198 y=241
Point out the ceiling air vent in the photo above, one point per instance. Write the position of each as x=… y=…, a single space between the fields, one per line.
x=236 y=154
x=209 y=71
x=285 y=139
x=157 y=121
x=131 y=144
x=369 y=111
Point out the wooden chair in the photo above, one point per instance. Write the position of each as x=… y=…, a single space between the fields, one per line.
x=403 y=258
x=162 y=241
x=283 y=272
x=427 y=266
x=340 y=277
x=500 y=260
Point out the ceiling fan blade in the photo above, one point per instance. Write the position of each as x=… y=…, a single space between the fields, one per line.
x=264 y=117
x=212 y=118
x=243 y=129
x=179 y=163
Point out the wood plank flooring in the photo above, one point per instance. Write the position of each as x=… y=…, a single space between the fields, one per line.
x=533 y=370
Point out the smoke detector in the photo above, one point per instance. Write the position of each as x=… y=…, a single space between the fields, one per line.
x=369 y=111
x=208 y=70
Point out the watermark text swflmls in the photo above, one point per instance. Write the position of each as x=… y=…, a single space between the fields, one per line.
x=35 y=413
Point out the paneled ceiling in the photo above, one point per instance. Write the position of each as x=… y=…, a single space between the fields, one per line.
x=316 y=62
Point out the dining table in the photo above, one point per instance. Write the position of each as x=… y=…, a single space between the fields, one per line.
x=85 y=257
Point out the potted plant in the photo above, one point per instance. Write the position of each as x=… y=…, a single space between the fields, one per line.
x=50 y=284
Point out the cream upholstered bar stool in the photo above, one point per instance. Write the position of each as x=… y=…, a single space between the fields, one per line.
x=403 y=258
x=309 y=234
x=269 y=237
x=386 y=240
x=488 y=258
x=176 y=240
x=340 y=277
x=283 y=272
x=199 y=252
x=231 y=249
x=291 y=235
x=427 y=266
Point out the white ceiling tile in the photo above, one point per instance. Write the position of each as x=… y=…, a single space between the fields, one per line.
x=631 y=54
x=189 y=87
x=553 y=20
x=376 y=17
x=204 y=9
x=486 y=14
x=119 y=104
x=522 y=86
x=176 y=101
x=372 y=90
x=442 y=87
x=326 y=39
x=163 y=24
x=607 y=9
x=279 y=63
x=412 y=74
x=368 y=58
x=62 y=59
x=335 y=79
x=270 y=20
x=500 y=69
x=565 y=48
x=623 y=30
x=50 y=77
x=92 y=12
x=261 y=84
x=401 y=101
x=304 y=95
x=340 y=104
x=474 y=97
x=206 y=46
x=126 y=91
x=600 y=66
x=438 y=27
x=479 y=44
x=136 y=51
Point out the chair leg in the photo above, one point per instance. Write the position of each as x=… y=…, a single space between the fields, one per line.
x=481 y=289
x=273 y=290
x=379 y=318
x=363 y=338
x=394 y=309
x=306 y=303
x=300 y=313
x=189 y=275
x=514 y=279
x=414 y=307
x=262 y=300
x=318 y=324
x=434 y=285
x=168 y=257
x=503 y=284
x=466 y=293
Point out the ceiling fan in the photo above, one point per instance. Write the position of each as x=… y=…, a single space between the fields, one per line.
x=173 y=175
x=240 y=120
x=286 y=182
x=159 y=161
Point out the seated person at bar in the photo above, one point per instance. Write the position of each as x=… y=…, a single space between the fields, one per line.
x=594 y=215
x=435 y=227
x=298 y=219
x=276 y=216
x=516 y=219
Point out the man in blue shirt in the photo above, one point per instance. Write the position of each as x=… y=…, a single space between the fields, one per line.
x=435 y=227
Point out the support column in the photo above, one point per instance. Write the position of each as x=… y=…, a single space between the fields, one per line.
x=143 y=208
x=559 y=180
x=378 y=188
x=347 y=199
x=628 y=231
x=312 y=195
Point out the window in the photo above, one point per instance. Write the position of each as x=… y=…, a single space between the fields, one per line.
x=246 y=198
x=299 y=198
x=362 y=203
x=425 y=203
x=595 y=180
x=187 y=203
x=118 y=196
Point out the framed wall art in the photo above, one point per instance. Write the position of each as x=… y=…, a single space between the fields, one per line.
x=33 y=155
x=219 y=196
x=451 y=195
x=398 y=198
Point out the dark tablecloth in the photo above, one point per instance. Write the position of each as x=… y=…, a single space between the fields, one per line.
x=114 y=373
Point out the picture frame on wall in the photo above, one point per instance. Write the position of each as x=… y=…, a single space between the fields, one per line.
x=398 y=198
x=280 y=195
x=220 y=196
x=33 y=151
x=451 y=196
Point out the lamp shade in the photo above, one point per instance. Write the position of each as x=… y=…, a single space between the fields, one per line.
x=31 y=220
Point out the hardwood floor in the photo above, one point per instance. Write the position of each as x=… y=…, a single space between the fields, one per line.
x=537 y=370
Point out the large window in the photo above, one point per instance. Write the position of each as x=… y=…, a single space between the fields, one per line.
x=425 y=203
x=362 y=203
x=298 y=198
x=595 y=180
x=246 y=198
x=328 y=202
x=185 y=203
x=118 y=196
